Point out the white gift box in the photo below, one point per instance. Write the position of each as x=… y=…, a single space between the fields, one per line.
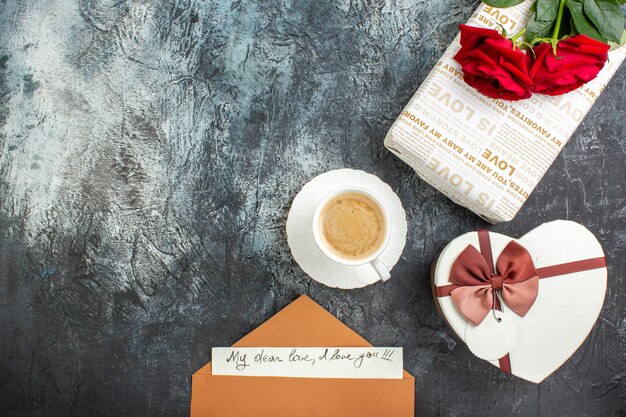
x=572 y=273
x=488 y=155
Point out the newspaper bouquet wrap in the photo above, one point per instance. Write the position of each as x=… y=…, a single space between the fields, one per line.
x=488 y=154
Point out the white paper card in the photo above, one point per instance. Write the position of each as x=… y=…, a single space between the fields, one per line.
x=309 y=362
x=493 y=338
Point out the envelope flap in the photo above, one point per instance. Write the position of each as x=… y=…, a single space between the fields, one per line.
x=302 y=323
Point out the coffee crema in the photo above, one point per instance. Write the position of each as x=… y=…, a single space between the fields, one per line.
x=352 y=226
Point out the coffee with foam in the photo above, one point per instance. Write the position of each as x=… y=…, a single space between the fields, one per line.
x=352 y=226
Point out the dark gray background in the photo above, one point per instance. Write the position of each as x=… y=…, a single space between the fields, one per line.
x=149 y=152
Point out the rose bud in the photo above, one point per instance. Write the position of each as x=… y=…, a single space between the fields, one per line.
x=493 y=65
x=578 y=60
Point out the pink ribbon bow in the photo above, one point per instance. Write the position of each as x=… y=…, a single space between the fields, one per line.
x=515 y=278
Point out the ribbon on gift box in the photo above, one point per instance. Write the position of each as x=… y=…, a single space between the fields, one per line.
x=477 y=284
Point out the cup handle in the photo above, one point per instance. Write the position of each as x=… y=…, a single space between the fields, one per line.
x=381 y=269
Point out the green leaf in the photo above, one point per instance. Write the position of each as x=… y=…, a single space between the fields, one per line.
x=502 y=3
x=547 y=10
x=581 y=24
x=542 y=19
x=607 y=16
x=538 y=29
x=622 y=42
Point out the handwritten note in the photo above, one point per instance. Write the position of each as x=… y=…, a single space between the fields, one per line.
x=309 y=362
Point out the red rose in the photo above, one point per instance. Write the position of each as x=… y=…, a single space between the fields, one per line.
x=493 y=65
x=578 y=60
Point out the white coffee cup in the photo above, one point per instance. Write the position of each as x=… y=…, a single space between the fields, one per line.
x=373 y=259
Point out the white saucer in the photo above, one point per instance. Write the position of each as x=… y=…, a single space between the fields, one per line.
x=300 y=233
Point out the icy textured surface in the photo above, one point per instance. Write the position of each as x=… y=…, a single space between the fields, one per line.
x=149 y=152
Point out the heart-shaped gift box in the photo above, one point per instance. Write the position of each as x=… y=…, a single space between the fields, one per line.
x=525 y=305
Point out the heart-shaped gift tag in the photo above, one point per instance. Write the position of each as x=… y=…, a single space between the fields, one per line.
x=537 y=297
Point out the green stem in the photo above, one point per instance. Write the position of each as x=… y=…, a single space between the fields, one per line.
x=559 y=17
x=517 y=35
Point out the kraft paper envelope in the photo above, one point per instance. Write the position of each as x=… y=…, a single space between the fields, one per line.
x=302 y=323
